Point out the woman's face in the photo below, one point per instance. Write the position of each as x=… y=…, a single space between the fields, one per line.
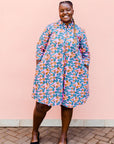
x=66 y=12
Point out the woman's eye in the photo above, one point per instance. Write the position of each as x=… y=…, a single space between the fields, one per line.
x=64 y=10
x=68 y=9
x=61 y=10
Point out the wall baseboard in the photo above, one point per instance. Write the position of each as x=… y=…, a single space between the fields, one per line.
x=57 y=122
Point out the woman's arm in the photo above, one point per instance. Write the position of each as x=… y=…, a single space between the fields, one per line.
x=84 y=49
x=42 y=43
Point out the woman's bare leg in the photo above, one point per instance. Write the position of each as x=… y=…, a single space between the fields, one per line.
x=66 y=115
x=39 y=113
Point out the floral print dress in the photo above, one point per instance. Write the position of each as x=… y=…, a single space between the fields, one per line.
x=61 y=77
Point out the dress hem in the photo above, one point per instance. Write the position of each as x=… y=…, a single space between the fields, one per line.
x=59 y=104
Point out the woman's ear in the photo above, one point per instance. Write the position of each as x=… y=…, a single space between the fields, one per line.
x=73 y=11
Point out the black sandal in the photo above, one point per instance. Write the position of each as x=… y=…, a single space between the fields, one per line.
x=37 y=141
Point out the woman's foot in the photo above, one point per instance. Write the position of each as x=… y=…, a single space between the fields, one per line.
x=63 y=139
x=35 y=137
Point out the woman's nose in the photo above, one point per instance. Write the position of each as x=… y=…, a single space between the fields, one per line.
x=65 y=11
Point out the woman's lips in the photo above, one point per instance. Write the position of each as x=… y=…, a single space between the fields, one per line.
x=65 y=16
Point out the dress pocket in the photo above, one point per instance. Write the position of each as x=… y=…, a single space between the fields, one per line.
x=84 y=67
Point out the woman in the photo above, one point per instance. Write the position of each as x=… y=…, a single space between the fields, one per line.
x=61 y=78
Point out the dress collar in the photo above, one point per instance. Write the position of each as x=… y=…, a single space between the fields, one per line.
x=71 y=24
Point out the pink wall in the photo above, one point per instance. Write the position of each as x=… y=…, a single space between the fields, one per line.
x=21 y=23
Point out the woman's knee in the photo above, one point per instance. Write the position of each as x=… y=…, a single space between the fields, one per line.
x=42 y=107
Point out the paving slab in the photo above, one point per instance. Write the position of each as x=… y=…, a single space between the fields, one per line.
x=50 y=135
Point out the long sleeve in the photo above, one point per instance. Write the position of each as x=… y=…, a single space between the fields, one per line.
x=42 y=43
x=84 y=49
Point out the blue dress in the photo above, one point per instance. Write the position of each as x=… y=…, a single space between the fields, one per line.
x=61 y=77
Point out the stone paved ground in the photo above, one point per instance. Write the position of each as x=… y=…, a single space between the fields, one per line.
x=50 y=135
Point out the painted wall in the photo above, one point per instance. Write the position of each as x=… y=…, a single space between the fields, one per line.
x=21 y=24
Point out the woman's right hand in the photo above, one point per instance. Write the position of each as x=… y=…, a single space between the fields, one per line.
x=37 y=61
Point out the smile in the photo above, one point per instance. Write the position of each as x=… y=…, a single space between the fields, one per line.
x=65 y=16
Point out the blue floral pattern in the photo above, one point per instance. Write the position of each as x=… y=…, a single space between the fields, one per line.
x=61 y=77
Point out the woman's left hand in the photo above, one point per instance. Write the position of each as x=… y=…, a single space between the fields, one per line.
x=87 y=67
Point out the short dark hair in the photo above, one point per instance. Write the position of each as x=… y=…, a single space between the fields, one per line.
x=69 y=2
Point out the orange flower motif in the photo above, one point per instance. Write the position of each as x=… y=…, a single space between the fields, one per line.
x=67 y=54
x=59 y=55
x=74 y=77
x=64 y=49
x=43 y=101
x=66 y=61
x=52 y=78
x=57 y=99
x=51 y=81
x=56 y=25
x=58 y=69
x=76 y=99
x=47 y=71
x=40 y=93
x=43 y=79
x=51 y=75
x=47 y=85
x=36 y=72
x=40 y=90
x=85 y=79
x=81 y=71
x=78 y=85
x=53 y=70
x=57 y=84
x=83 y=50
x=52 y=66
x=50 y=89
x=60 y=41
x=47 y=57
x=82 y=93
x=70 y=103
x=62 y=30
x=72 y=92
x=72 y=88
x=50 y=92
x=72 y=55
x=33 y=94
x=53 y=63
x=67 y=83
x=40 y=80
x=49 y=31
x=52 y=51
x=65 y=97
x=47 y=100
x=41 y=65
x=41 y=97
x=43 y=72
x=69 y=69
x=54 y=56
x=43 y=86
x=69 y=47
x=46 y=36
x=36 y=86
x=39 y=42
